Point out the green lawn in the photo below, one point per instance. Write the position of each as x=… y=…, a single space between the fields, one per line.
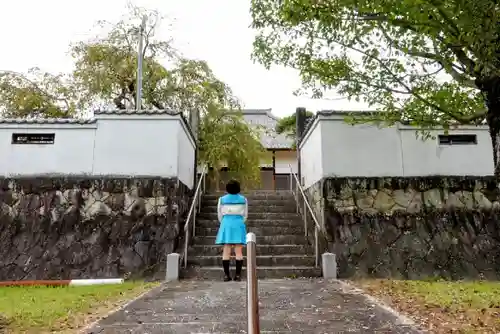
x=442 y=306
x=61 y=309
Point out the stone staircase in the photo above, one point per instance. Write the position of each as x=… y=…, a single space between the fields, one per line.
x=282 y=248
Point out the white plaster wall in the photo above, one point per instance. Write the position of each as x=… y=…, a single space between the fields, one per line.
x=423 y=158
x=361 y=150
x=137 y=146
x=283 y=160
x=71 y=152
x=186 y=149
x=312 y=155
x=119 y=145
x=344 y=150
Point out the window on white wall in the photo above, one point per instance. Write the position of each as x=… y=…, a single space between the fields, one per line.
x=33 y=138
x=457 y=139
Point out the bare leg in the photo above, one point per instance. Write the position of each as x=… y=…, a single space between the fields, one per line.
x=226 y=252
x=238 y=249
x=226 y=257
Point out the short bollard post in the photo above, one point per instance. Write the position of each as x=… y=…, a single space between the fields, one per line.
x=172 y=273
x=252 y=286
x=329 y=265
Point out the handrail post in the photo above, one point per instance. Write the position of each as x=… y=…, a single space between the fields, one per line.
x=252 y=286
x=194 y=221
x=199 y=199
x=204 y=184
x=186 y=248
x=316 y=245
x=297 y=196
x=192 y=215
x=304 y=213
x=307 y=209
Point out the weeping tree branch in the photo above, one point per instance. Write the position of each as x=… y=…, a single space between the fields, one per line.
x=35 y=86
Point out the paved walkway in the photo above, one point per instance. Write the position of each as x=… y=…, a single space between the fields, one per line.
x=287 y=306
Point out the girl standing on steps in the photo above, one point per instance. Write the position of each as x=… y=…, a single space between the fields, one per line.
x=232 y=210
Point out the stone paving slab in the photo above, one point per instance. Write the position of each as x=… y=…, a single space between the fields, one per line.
x=287 y=306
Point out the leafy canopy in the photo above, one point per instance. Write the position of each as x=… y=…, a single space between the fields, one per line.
x=426 y=62
x=104 y=76
x=227 y=140
x=37 y=94
x=288 y=125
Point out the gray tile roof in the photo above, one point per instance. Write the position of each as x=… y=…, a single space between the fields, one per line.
x=265 y=119
x=330 y=113
x=256 y=117
x=47 y=121
x=137 y=112
x=344 y=112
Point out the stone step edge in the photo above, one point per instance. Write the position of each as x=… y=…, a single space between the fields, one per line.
x=214 y=206
x=293 y=227
x=205 y=212
x=258 y=256
x=260 y=236
x=280 y=221
x=217 y=268
x=251 y=193
x=258 y=245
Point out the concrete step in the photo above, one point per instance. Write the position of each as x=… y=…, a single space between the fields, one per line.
x=255 y=215
x=200 y=222
x=258 y=230
x=257 y=208
x=265 y=240
x=216 y=250
x=256 y=202
x=262 y=260
x=257 y=196
x=216 y=273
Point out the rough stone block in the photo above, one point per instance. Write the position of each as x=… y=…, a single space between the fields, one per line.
x=172 y=267
x=72 y=229
x=445 y=226
x=329 y=264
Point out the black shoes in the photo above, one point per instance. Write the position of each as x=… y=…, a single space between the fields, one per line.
x=239 y=266
x=225 y=265
x=227 y=275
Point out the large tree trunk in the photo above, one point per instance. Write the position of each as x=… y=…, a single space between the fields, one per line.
x=491 y=88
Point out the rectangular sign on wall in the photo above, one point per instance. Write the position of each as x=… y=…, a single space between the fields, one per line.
x=33 y=138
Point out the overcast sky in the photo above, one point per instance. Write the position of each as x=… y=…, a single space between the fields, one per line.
x=37 y=33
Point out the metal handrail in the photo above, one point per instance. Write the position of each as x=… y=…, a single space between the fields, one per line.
x=307 y=207
x=252 y=286
x=192 y=212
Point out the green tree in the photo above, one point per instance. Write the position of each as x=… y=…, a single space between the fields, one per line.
x=227 y=140
x=105 y=75
x=288 y=125
x=427 y=62
x=37 y=94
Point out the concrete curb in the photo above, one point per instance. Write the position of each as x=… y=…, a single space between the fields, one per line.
x=94 y=324
x=400 y=318
x=71 y=282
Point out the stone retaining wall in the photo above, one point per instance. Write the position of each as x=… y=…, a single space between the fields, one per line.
x=69 y=228
x=445 y=227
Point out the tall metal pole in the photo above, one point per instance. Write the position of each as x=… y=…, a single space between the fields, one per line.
x=252 y=287
x=140 y=57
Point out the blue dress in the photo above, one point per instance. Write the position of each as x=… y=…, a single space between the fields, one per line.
x=232 y=212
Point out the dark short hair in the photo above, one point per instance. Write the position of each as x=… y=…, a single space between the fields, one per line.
x=233 y=187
